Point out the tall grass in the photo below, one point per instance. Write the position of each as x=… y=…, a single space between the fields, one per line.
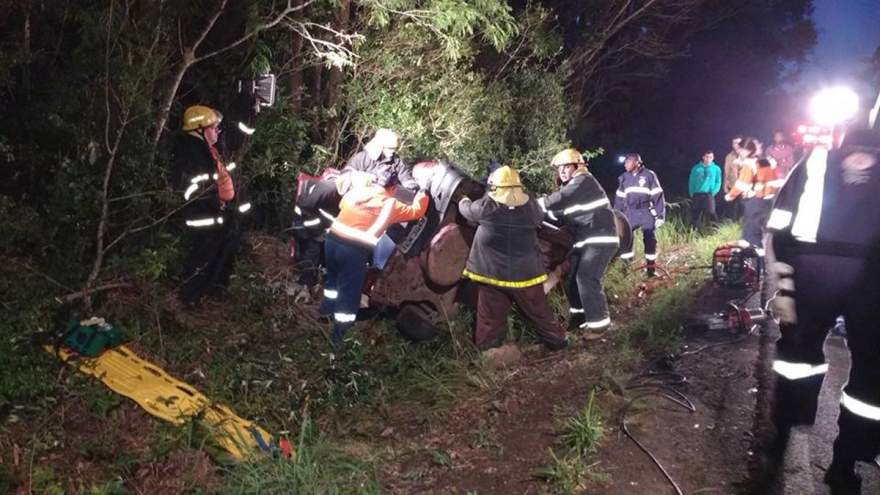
x=317 y=468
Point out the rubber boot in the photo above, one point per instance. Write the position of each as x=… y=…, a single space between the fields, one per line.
x=650 y=269
x=575 y=321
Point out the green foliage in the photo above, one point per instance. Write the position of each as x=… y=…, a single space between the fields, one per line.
x=454 y=110
x=583 y=432
x=452 y=22
x=44 y=480
x=568 y=474
x=114 y=487
x=317 y=468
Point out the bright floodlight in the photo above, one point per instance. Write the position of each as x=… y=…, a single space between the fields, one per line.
x=834 y=106
x=621 y=158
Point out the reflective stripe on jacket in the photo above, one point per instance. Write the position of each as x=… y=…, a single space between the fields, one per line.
x=505 y=248
x=640 y=197
x=831 y=199
x=583 y=207
x=754 y=182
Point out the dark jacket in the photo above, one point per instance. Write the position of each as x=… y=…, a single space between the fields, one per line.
x=505 y=248
x=640 y=197
x=362 y=161
x=846 y=224
x=582 y=206
x=194 y=174
x=317 y=205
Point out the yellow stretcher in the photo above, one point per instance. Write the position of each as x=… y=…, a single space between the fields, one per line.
x=167 y=398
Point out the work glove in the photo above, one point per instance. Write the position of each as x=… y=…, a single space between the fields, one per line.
x=658 y=222
x=782 y=305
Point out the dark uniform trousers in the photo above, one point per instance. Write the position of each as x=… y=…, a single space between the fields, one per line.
x=584 y=287
x=825 y=287
x=703 y=210
x=493 y=305
x=755 y=213
x=346 y=272
x=210 y=260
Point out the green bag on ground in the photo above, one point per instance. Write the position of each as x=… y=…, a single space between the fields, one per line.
x=91 y=337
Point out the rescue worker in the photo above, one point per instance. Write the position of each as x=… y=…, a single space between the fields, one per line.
x=757 y=185
x=583 y=208
x=640 y=197
x=211 y=208
x=825 y=241
x=315 y=209
x=505 y=263
x=366 y=210
x=381 y=153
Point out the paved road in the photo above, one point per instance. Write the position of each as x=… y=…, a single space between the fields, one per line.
x=821 y=436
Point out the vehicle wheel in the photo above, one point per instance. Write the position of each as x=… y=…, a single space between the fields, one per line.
x=414 y=323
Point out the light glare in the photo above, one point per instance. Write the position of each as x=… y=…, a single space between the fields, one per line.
x=834 y=106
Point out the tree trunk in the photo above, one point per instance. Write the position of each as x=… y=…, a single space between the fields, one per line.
x=296 y=64
x=341 y=24
x=168 y=100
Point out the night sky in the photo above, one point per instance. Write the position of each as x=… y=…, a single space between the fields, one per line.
x=849 y=33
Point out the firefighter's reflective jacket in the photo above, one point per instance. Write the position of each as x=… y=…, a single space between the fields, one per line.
x=640 y=197
x=366 y=212
x=830 y=201
x=316 y=207
x=582 y=206
x=505 y=248
x=205 y=184
x=755 y=181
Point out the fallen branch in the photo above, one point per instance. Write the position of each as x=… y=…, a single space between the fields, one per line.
x=88 y=292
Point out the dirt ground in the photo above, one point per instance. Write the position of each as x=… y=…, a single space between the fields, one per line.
x=497 y=445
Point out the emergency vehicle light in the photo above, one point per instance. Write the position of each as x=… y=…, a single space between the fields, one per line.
x=834 y=106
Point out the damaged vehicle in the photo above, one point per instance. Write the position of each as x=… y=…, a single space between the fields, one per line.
x=421 y=283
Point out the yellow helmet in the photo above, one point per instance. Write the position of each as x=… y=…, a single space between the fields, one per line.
x=199 y=117
x=567 y=156
x=505 y=177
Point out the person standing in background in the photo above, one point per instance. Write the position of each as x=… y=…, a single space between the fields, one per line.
x=703 y=185
x=640 y=197
x=732 y=164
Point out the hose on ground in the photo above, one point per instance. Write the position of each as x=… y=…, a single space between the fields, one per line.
x=656 y=384
x=660 y=384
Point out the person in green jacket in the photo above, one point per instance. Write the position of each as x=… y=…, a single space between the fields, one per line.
x=703 y=185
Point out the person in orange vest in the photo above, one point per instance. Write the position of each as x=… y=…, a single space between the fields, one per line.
x=757 y=185
x=211 y=205
x=505 y=263
x=367 y=209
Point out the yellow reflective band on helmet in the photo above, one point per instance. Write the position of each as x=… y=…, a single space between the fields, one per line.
x=504 y=283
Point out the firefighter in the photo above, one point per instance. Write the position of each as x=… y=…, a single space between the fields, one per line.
x=211 y=205
x=640 y=197
x=757 y=184
x=582 y=206
x=315 y=209
x=825 y=241
x=365 y=211
x=505 y=263
x=381 y=153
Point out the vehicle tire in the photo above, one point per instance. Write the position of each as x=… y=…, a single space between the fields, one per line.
x=414 y=323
